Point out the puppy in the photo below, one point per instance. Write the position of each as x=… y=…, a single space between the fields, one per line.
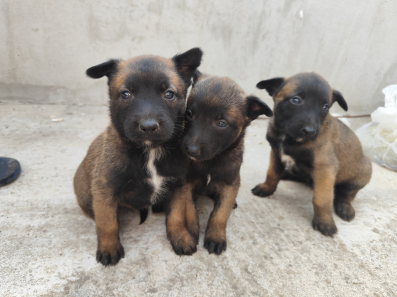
x=310 y=145
x=218 y=112
x=137 y=160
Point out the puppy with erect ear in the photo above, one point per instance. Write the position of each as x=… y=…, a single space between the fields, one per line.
x=137 y=161
x=218 y=112
x=311 y=146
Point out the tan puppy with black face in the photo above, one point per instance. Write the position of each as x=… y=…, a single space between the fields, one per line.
x=218 y=113
x=137 y=161
x=310 y=145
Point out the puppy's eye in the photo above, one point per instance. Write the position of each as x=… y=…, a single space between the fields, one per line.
x=126 y=95
x=222 y=124
x=325 y=107
x=189 y=114
x=169 y=95
x=295 y=100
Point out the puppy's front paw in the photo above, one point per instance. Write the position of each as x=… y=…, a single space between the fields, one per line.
x=215 y=240
x=327 y=229
x=111 y=256
x=216 y=247
x=194 y=229
x=183 y=242
x=262 y=190
x=345 y=211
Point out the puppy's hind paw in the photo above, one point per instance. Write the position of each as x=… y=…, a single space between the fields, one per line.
x=345 y=211
x=262 y=191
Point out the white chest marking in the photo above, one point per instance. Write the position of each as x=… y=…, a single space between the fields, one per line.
x=155 y=179
x=287 y=160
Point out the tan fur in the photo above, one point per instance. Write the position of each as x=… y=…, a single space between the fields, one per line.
x=285 y=91
x=177 y=219
x=191 y=215
x=216 y=227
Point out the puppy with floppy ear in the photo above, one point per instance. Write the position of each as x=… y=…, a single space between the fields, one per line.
x=137 y=160
x=311 y=146
x=218 y=112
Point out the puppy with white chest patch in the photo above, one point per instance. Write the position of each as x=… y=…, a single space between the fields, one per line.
x=137 y=161
x=311 y=146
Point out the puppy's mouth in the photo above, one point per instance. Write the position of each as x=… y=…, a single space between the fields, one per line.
x=300 y=136
x=148 y=141
x=300 y=139
x=198 y=157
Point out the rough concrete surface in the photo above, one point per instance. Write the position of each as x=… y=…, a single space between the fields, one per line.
x=47 y=245
x=47 y=45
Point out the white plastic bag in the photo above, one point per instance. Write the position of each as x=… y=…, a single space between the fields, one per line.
x=379 y=138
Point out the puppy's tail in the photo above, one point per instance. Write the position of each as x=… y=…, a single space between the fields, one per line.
x=143 y=213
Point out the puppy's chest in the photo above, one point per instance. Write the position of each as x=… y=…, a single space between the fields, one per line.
x=287 y=160
x=145 y=178
x=156 y=180
x=295 y=157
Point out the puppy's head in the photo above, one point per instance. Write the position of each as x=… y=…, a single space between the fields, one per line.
x=301 y=103
x=218 y=111
x=147 y=95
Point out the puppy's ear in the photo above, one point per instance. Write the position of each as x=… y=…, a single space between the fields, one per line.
x=272 y=85
x=337 y=96
x=187 y=63
x=256 y=107
x=196 y=76
x=103 y=69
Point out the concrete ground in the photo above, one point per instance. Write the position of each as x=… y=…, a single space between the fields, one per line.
x=47 y=246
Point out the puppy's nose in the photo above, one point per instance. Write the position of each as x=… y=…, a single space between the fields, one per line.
x=309 y=131
x=192 y=149
x=148 y=125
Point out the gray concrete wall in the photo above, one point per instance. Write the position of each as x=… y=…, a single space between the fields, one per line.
x=46 y=45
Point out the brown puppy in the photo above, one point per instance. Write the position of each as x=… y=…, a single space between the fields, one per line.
x=138 y=161
x=310 y=145
x=218 y=112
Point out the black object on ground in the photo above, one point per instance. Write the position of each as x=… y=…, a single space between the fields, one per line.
x=10 y=169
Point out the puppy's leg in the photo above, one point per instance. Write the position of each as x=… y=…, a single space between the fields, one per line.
x=215 y=196
x=273 y=177
x=181 y=239
x=82 y=189
x=192 y=219
x=324 y=180
x=215 y=234
x=110 y=249
x=344 y=195
x=346 y=192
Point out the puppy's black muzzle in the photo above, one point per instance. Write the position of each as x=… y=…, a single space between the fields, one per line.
x=309 y=131
x=193 y=150
x=148 y=125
